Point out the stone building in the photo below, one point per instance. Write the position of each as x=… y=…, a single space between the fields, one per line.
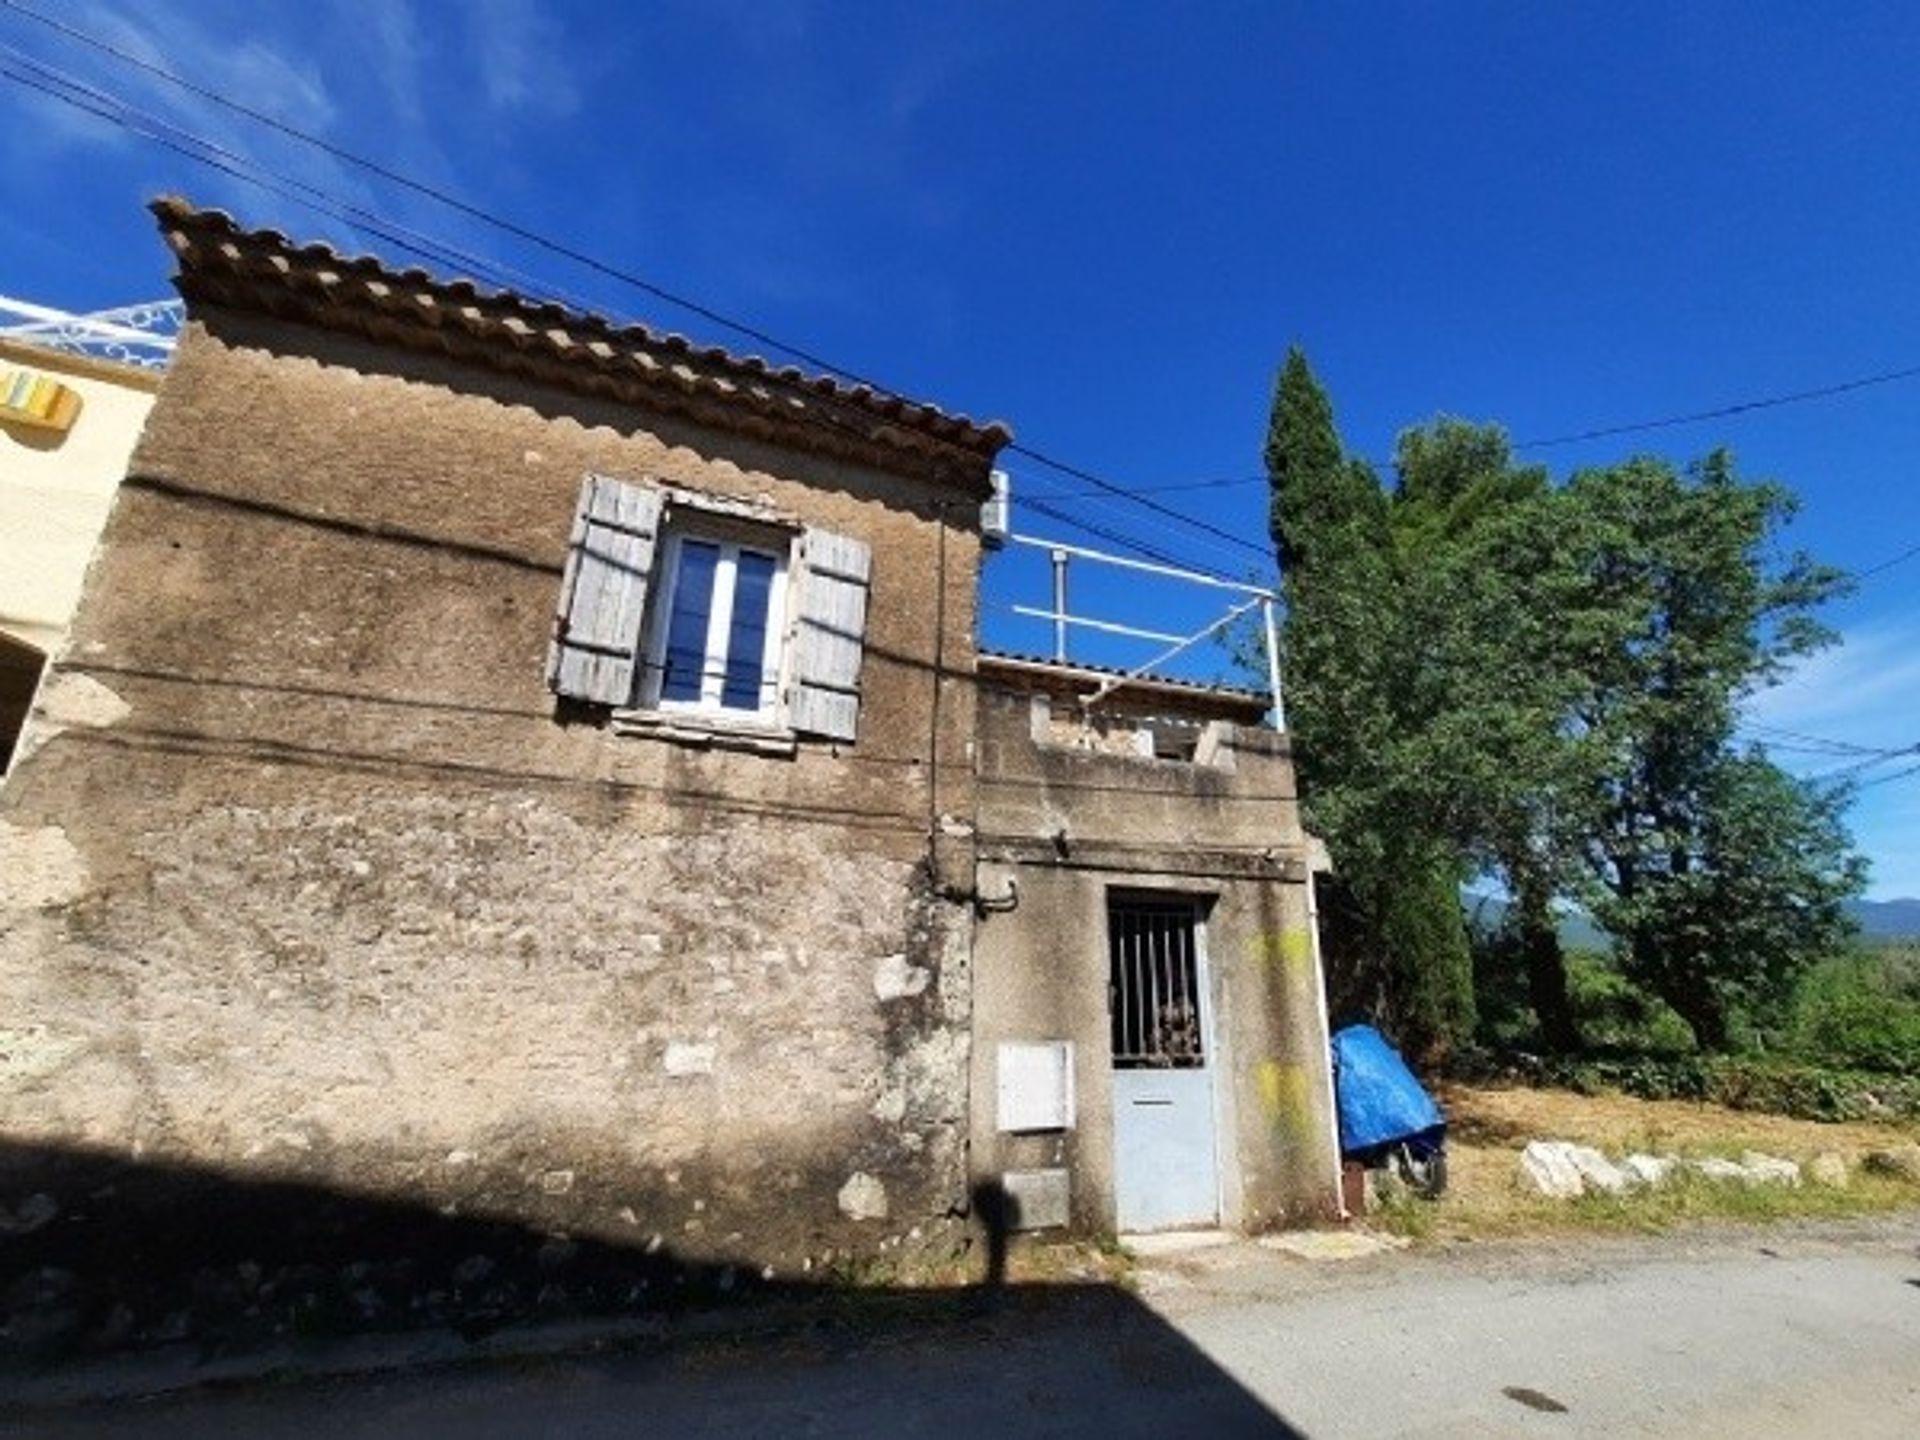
x=1150 y=1041
x=339 y=860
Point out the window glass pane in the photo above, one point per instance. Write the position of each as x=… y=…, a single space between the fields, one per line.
x=747 y=631
x=687 y=620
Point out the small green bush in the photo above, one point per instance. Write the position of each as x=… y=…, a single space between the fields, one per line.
x=1612 y=1013
x=1860 y=1011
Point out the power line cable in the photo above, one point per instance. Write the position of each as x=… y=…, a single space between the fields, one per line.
x=1741 y=407
x=55 y=84
x=1901 y=558
x=1888 y=779
x=1102 y=486
x=1847 y=772
x=580 y=257
x=1094 y=497
x=1841 y=747
x=1633 y=427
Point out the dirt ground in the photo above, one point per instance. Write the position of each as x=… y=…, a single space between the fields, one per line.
x=1488 y=1127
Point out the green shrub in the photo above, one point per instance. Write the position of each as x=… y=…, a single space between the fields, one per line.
x=1612 y=1013
x=1860 y=1011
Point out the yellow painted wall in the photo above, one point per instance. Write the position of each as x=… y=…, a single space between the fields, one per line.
x=56 y=489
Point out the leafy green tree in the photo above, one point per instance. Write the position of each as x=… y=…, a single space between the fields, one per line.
x=1722 y=877
x=1492 y=675
x=1485 y=575
x=1397 y=945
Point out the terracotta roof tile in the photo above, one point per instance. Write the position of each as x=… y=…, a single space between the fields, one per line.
x=222 y=263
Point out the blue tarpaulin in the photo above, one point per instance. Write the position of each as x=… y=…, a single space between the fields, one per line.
x=1379 y=1099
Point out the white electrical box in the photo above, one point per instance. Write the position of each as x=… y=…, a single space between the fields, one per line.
x=996 y=513
x=1036 y=1085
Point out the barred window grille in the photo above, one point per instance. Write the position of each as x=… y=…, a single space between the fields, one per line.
x=1154 y=985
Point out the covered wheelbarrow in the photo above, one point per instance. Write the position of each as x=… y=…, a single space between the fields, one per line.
x=1387 y=1119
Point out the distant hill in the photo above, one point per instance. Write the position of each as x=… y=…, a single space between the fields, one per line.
x=1877 y=919
x=1886 y=919
x=1577 y=932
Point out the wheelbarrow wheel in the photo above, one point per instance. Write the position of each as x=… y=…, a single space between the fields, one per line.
x=1424 y=1169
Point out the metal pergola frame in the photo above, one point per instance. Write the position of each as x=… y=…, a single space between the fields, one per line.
x=1260 y=596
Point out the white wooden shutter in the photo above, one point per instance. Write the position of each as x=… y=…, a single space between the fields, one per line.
x=596 y=638
x=830 y=632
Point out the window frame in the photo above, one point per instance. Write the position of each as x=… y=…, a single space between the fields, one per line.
x=731 y=537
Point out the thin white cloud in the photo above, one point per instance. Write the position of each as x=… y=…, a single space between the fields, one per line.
x=522 y=66
x=1865 y=691
x=393 y=36
x=247 y=70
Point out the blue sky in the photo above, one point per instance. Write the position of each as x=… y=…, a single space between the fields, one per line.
x=1104 y=223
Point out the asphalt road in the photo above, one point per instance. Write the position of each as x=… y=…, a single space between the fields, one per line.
x=1786 y=1331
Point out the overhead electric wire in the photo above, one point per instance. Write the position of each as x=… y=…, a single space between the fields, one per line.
x=1740 y=407
x=1101 y=486
x=1838 y=747
x=1873 y=570
x=1846 y=772
x=1888 y=779
x=432 y=192
x=582 y=258
x=55 y=84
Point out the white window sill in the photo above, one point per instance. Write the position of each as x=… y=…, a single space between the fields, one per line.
x=709 y=731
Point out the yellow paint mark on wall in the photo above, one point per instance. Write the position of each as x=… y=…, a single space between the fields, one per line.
x=1291 y=949
x=1286 y=1094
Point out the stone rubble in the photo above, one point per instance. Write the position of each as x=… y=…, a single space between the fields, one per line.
x=1597 y=1172
x=1769 y=1169
x=1650 y=1171
x=1563 y=1170
x=1546 y=1166
x=1902 y=1162
x=1829 y=1170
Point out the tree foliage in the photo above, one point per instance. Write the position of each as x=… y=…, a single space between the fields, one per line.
x=1397 y=947
x=1493 y=676
x=1721 y=875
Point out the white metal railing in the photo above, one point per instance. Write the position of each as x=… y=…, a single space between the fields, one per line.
x=143 y=335
x=1258 y=597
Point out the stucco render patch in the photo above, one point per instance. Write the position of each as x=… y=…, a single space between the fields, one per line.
x=894 y=978
x=70 y=701
x=39 y=868
x=32 y=1052
x=863 y=1197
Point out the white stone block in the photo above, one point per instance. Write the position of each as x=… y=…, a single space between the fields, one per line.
x=1546 y=1166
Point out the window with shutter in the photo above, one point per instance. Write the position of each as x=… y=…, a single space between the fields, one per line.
x=694 y=613
x=603 y=594
x=718 y=626
x=830 y=635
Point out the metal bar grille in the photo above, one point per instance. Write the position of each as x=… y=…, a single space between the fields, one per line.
x=1154 y=985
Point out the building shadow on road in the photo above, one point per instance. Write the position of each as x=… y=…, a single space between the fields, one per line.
x=111 y=1268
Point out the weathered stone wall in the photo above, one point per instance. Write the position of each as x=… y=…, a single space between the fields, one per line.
x=1069 y=825
x=305 y=879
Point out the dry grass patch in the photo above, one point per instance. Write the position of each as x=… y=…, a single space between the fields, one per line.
x=1513 y=1115
x=1489 y=1127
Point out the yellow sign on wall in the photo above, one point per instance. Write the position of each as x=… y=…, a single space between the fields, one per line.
x=28 y=398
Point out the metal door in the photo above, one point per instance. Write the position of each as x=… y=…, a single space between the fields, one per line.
x=1166 y=1160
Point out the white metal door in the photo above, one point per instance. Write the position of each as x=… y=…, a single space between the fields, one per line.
x=1166 y=1158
